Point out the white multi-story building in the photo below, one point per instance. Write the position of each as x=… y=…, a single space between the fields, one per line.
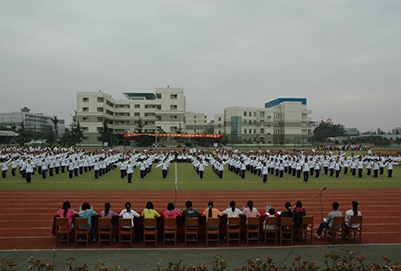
x=217 y=124
x=195 y=123
x=290 y=116
x=249 y=124
x=35 y=122
x=161 y=112
x=281 y=121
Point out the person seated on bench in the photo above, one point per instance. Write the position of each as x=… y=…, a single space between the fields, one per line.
x=87 y=212
x=128 y=213
x=251 y=211
x=328 y=222
x=67 y=212
x=353 y=212
x=232 y=212
x=211 y=212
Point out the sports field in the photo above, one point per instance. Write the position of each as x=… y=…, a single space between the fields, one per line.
x=27 y=210
x=188 y=180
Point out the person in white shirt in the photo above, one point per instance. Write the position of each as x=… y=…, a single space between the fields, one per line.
x=353 y=212
x=232 y=211
x=71 y=169
x=317 y=168
x=337 y=167
x=123 y=169
x=28 y=171
x=389 y=165
x=4 y=168
x=265 y=171
x=96 y=169
x=360 y=167
x=14 y=165
x=44 y=168
x=306 y=170
x=128 y=213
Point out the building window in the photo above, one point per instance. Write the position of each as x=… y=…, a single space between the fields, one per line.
x=254 y=114
x=219 y=119
x=173 y=96
x=86 y=129
x=250 y=122
x=173 y=107
x=100 y=100
x=244 y=131
x=85 y=109
x=136 y=114
x=100 y=109
x=254 y=131
x=173 y=117
x=158 y=96
x=262 y=130
x=85 y=100
x=137 y=106
x=84 y=118
x=250 y=114
x=100 y=119
x=262 y=114
x=244 y=113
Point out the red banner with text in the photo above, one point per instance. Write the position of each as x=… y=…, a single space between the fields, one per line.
x=178 y=135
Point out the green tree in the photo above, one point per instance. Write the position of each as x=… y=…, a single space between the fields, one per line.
x=142 y=141
x=105 y=133
x=55 y=127
x=161 y=139
x=325 y=130
x=48 y=134
x=77 y=133
x=22 y=138
x=181 y=140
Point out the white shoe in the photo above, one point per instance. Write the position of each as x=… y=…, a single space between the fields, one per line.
x=317 y=236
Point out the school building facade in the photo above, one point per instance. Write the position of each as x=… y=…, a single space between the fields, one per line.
x=32 y=122
x=280 y=121
x=163 y=111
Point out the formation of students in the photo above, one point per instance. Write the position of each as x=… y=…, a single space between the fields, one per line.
x=76 y=162
x=55 y=161
x=297 y=212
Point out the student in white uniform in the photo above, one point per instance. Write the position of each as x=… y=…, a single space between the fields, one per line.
x=306 y=171
x=265 y=171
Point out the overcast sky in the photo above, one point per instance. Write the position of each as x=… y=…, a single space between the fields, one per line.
x=343 y=56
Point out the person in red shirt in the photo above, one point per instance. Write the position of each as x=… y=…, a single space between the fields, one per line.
x=67 y=212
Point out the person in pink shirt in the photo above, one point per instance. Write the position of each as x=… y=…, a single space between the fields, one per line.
x=171 y=212
x=250 y=211
x=67 y=212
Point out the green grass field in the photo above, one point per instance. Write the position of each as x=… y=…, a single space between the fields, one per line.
x=188 y=180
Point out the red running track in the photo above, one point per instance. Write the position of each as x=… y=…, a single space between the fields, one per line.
x=26 y=216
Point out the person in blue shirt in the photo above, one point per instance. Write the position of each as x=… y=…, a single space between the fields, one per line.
x=87 y=212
